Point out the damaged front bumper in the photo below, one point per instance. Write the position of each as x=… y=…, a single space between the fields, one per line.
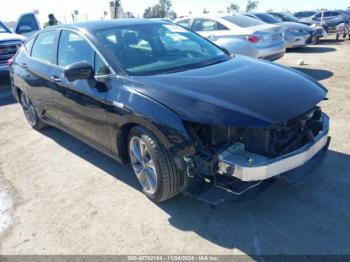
x=248 y=167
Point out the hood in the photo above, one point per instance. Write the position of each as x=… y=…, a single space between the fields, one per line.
x=241 y=92
x=287 y=25
x=9 y=36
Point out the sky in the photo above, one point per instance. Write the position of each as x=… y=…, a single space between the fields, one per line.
x=11 y=9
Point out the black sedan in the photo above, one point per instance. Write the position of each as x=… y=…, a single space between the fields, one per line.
x=187 y=115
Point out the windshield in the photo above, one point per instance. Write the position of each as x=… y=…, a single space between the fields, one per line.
x=288 y=18
x=268 y=18
x=242 y=21
x=3 y=28
x=149 y=49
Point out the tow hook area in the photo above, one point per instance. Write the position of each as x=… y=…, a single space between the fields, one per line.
x=219 y=189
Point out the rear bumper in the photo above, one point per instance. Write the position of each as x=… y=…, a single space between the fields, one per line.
x=249 y=167
x=272 y=52
x=274 y=57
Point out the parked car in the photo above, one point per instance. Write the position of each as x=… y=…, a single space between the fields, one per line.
x=288 y=18
x=331 y=18
x=9 y=44
x=296 y=34
x=187 y=115
x=240 y=35
x=319 y=30
x=302 y=15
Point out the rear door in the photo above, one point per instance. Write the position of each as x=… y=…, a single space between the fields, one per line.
x=81 y=103
x=32 y=69
x=27 y=24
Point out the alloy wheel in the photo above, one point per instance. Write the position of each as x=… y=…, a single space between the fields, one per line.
x=143 y=165
x=29 y=109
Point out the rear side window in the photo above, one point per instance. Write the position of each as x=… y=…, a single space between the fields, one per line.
x=44 y=46
x=73 y=48
x=335 y=13
x=207 y=25
x=27 y=23
x=184 y=23
x=242 y=21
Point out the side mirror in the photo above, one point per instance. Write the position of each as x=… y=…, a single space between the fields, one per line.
x=79 y=71
x=24 y=29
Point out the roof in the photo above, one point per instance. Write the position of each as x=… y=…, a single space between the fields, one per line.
x=103 y=24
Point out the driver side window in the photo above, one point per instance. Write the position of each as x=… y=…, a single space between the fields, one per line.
x=73 y=48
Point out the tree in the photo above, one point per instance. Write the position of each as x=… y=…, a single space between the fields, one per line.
x=205 y=11
x=252 y=5
x=129 y=14
x=160 y=10
x=233 y=8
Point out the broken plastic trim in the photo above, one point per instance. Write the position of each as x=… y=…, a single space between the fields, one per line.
x=246 y=166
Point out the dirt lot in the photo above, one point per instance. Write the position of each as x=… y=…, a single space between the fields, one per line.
x=59 y=196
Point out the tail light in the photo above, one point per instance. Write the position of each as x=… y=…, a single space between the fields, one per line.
x=10 y=62
x=254 y=39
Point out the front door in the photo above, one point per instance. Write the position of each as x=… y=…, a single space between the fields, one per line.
x=81 y=103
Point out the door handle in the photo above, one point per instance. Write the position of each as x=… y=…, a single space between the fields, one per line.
x=56 y=79
x=25 y=66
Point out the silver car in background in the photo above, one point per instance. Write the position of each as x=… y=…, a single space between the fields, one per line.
x=240 y=35
x=296 y=34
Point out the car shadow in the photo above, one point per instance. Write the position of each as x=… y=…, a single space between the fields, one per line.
x=311 y=218
x=312 y=49
x=121 y=172
x=317 y=74
x=329 y=41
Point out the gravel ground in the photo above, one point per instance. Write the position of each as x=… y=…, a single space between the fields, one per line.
x=60 y=196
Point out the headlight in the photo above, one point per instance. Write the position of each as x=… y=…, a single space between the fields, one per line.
x=296 y=31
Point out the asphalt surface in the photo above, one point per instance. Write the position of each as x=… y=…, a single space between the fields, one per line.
x=60 y=196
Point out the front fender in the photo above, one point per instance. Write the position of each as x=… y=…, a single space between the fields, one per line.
x=127 y=108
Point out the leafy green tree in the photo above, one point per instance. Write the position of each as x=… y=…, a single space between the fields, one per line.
x=233 y=8
x=252 y=5
x=160 y=10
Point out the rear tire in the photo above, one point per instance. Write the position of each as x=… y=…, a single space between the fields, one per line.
x=151 y=160
x=30 y=112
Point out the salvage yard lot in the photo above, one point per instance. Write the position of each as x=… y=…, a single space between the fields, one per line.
x=60 y=196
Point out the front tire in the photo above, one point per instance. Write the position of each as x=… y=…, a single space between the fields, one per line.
x=156 y=171
x=30 y=112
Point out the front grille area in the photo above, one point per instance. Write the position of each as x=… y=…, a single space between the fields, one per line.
x=284 y=138
x=7 y=50
x=274 y=141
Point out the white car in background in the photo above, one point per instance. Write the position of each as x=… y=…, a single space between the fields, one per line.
x=26 y=25
x=240 y=35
